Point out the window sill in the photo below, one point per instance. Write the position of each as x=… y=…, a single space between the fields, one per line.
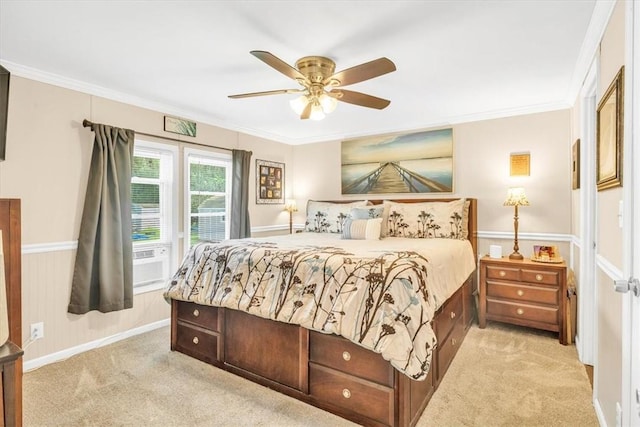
x=151 y=287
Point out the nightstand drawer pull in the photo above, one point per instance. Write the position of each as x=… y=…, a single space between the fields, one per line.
x=346 y=393
x=539 y=277
x=196 y=313
x=196 y=340
x=520 y=292
x=453 y=315
x=346 y=355
x=502 y=273
x=520 y=311
x=454 y=342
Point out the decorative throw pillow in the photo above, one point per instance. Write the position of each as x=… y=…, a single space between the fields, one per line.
x=367 y=212
x=465 y=220
x=362 y=229
x=328 y=217
x=426 y=220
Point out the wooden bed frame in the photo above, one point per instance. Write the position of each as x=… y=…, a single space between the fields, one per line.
x=326 y=371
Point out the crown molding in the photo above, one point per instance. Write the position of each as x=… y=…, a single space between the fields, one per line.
x=95 y=90
x=103 y=92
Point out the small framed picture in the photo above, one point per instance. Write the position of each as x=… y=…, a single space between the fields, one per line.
x=575 y=165
x=269 y=182
x=544 y=253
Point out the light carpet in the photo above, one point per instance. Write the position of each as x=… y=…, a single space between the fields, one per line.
x=502 y=376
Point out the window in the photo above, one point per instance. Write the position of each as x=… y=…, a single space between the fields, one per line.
x=207 y=201
x=153 y=213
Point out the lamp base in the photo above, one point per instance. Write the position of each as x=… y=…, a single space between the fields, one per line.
x=516 y=255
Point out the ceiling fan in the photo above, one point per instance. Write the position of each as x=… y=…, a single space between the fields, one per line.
x=321 y=85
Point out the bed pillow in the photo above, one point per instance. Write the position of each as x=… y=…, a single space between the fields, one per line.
x=362 y=229
x=367 y=212
x=426 y=220
x=328 y=217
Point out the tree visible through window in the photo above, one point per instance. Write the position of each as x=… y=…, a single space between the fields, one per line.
x=208 y=201
x=146 y=197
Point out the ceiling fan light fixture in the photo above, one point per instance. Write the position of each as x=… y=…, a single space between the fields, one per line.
x=328 y=103
x=298 y=104
x=316 y=112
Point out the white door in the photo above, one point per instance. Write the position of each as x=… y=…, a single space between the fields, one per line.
x=631 y=311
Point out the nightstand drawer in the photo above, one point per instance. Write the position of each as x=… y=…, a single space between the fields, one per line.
x=521 y=292
x=503 y=273
x=513 y=310
x=537 y=276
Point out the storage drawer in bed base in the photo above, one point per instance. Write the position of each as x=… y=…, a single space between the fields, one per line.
x=199 y=343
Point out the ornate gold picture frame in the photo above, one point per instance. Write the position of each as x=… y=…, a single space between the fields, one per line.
x=609 y=133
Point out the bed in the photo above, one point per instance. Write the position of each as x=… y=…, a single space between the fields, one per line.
x=362 y=326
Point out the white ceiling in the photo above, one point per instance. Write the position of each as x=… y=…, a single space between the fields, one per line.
x=456 y=60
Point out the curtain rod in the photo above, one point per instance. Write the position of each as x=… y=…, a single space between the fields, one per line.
x=86 y=123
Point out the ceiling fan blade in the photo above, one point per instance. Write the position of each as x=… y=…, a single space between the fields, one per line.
x=361 y=72
x=278 y=64
x=306 y=113
x=357 y=98
x=269 y=92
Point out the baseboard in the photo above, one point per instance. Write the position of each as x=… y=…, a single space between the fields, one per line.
x=599 y=414
x=30 y=365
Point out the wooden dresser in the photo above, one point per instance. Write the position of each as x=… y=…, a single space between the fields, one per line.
x=523 y=292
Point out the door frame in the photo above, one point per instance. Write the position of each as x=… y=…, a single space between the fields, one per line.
x=586 y=335
x=631 y=226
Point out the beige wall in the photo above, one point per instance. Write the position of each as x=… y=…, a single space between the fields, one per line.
x=48 y=153
x=481 y=158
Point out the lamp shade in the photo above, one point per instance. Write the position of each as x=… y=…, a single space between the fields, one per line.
x=298 y=104
x=516 y=197
x=290 y=206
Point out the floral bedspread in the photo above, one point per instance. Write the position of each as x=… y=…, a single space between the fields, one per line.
x=382 y=301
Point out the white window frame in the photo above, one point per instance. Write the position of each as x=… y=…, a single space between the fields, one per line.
x=214 y=158
x=169 y=226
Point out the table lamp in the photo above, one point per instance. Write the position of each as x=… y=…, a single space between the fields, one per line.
x=515 y=198
x=290 y=206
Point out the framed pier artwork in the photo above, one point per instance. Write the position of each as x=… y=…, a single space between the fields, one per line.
x=418 y=162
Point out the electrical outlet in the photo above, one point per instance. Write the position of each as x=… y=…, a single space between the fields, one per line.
x=37 y=331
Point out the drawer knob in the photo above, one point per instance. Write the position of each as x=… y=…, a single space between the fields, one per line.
x=346 y=393
x=453 y=341
x=453 y=314
x=520 y=292
x=538 y=277
x=196 y=340
x=520 y=311
x=346 y=355
x=196 y=313
x=502 y=273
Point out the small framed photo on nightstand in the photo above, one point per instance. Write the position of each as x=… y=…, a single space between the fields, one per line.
x=548 y=254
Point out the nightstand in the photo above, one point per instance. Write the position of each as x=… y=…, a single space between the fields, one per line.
x=523 y=292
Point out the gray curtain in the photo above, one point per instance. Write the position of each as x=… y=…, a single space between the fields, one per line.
x=103 y=273
x=241 y=167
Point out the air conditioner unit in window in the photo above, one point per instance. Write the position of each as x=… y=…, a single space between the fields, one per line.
x=150 y=265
